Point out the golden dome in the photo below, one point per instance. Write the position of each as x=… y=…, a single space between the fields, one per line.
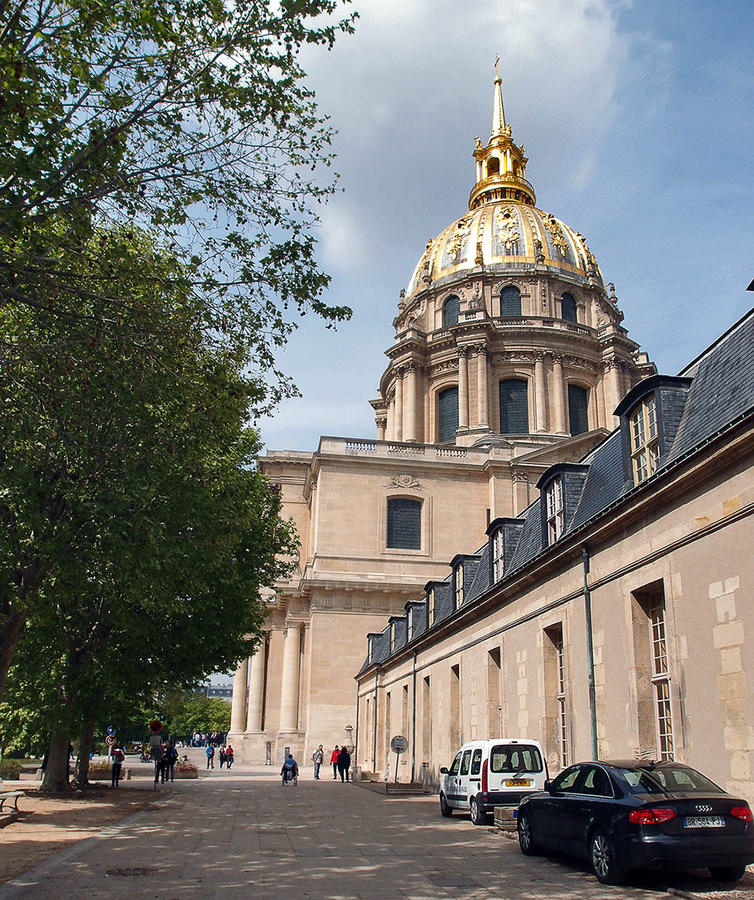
x=503 y=230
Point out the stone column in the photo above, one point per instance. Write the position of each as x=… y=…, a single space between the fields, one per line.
x=238 y=702
x=390 y=434
x=256 y=691
x=540 y=392
x=381 y=424
x=558 y=391
x=409 y=431
x=481 y=382
x=463 y=389
x=289 y=685
x=614 y=391
x=398 y=417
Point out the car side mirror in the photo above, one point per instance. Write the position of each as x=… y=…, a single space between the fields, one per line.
x=548 y=786
x=444 y=770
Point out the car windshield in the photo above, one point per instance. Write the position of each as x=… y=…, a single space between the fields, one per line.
x=515 y=758
x=668 y=778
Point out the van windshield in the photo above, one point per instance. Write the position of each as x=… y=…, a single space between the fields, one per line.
x=515 y=758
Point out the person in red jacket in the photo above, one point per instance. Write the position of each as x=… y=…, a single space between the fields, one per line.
x=334 y=761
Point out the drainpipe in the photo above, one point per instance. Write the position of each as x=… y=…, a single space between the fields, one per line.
x=374 y=742
x=413 y=722
x=356 y=743
x=589 y=651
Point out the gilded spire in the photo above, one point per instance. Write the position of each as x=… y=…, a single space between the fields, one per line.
x=498 y=110
x=501 y=165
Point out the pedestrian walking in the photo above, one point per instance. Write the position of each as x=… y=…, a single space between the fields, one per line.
x=117 y=755
x=171 y=758
x=318 y=757
x=229 y=756
x=344 y=763
x=334 y=760
x=222 y=756
x=157 y=752
x=210 y=751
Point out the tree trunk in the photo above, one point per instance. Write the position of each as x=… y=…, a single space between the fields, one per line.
x=56 y=773
x=86 y=739
x=10 y=635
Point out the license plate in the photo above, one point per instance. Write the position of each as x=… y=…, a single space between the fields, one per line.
x=703 y=822
x=517 y=782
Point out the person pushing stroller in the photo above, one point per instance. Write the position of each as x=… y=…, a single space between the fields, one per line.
x=289 y=771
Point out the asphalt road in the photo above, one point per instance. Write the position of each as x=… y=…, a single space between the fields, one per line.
x=241 y=834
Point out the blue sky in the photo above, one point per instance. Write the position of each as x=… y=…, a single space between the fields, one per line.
x=638 y=122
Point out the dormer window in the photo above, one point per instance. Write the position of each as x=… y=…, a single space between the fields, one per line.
x=645 y=439
x=555 y=513
x=498 y=562
x=430 y=607
x=458 y=587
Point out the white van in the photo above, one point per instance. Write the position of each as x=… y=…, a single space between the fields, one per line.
x=491 y=773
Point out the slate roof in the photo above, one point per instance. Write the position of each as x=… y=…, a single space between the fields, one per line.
x=714 y=392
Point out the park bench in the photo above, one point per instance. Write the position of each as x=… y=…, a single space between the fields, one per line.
x=7 y=796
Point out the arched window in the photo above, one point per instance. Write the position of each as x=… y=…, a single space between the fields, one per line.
x=493 y=166
x=514 y=407
x=447 y=415
x=577 y=409
x=568 y=308
x=404 y=523
x=510 y=302
x=450 y=312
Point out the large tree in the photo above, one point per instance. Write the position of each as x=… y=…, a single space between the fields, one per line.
x=193 y=118
x=138 y=530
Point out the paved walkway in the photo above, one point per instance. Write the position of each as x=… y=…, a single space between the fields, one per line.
x=241 y=834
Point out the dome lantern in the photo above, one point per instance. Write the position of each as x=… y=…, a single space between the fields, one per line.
x=501 y=165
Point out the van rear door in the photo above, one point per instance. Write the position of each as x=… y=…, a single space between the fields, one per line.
x=462 y=789
x=515 y=770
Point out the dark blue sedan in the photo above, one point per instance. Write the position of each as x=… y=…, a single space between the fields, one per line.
x=631 y=814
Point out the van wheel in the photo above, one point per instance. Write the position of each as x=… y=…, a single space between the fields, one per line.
x=444 y=808
x=478 y=816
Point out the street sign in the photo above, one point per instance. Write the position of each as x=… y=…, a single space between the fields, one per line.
x=111 y=729
x=155 y=726
x=399 y=744
x=110 y=740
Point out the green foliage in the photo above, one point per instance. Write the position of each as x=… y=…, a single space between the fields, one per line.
x=10 y=769
x=185 y=712
x=192 y=119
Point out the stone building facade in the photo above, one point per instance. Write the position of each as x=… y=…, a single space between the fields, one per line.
x=613 y=617
x=509 y=356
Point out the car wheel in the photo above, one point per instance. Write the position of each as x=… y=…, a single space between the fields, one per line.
x=478 y=815
x=727 y=873
x=602 y=857
x=526 y=835
x=446 y=810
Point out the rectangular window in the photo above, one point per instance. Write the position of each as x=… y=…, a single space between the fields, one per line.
x=458 y=583
x=404 y=717
x=498 y=563
x=494 y=694
x=392 y=636
x=456 y=738
x=661 y=676
x=426 y=720
x=404 y=523
x=431 y=608
x=555 y=513
x=645 y=441
x=556 y=712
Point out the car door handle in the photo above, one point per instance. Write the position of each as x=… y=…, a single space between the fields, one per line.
x=475 y=780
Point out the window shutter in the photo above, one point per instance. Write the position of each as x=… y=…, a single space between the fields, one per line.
x=447 y=415
x=514 y=407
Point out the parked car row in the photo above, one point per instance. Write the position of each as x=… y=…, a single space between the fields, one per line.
x=620 y=815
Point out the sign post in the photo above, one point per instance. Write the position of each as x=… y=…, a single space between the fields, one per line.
x=398 y=745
